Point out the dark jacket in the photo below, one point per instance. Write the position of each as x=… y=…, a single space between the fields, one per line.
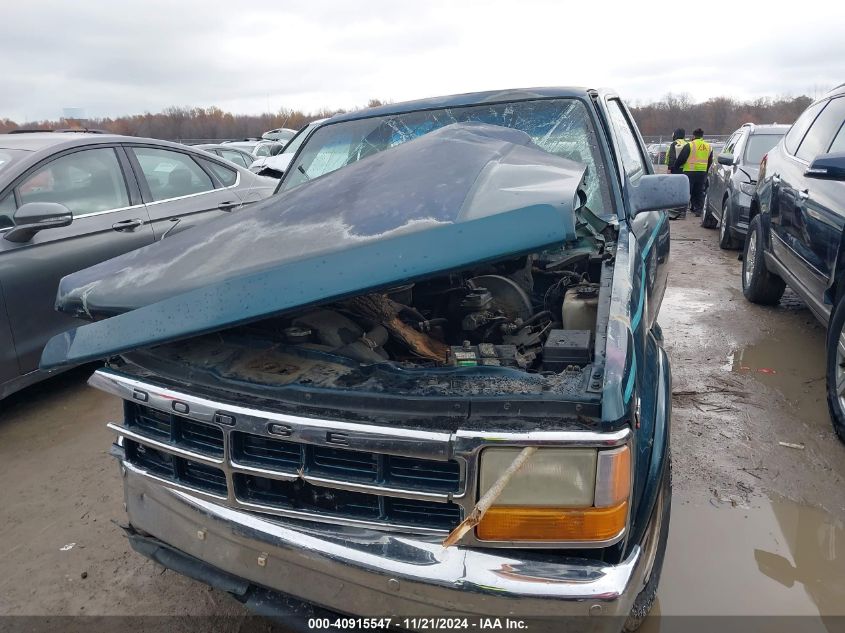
x=672 y=155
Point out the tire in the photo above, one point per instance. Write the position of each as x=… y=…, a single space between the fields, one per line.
x=645 y=599
x=758 y=284
x=707 y=219
x=836 y=369
x=726 y=239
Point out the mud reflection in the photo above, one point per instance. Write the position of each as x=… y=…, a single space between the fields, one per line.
x=794 y=366
x=815 y=541
x=774 y=558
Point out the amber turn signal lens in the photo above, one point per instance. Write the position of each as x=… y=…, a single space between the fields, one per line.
x=552 y=524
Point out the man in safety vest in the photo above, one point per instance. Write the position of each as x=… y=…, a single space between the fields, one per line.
x=694 y=160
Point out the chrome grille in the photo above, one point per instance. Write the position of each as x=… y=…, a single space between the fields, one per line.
x=272 y=475
x=418 y=470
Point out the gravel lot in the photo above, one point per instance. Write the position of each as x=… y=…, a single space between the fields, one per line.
x=754 y=523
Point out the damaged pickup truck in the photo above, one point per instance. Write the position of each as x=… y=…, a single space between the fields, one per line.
x=426 y=378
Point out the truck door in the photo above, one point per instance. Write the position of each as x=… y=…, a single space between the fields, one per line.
x=787 y=199
x=817 y=203
x=651 y=227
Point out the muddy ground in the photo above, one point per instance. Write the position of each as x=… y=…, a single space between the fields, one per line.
x=757 y=527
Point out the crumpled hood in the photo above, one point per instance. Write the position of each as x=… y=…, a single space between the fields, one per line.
x=461 y=195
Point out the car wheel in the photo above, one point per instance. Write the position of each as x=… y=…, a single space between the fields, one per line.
x=653 y=554
x=836 y=369
x=708 y=221
x=726 y=239
x=758 y=284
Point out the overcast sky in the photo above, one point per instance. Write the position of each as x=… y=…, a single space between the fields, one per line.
x=112 y=58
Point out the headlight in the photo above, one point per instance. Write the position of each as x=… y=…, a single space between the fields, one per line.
x=748 y=188
x=560 y=494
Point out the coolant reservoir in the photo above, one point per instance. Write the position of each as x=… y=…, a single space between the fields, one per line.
x=580 y=307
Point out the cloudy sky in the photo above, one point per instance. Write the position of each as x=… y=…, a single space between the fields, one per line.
x=112 y=58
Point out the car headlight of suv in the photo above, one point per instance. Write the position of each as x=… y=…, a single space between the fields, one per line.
x=560 y=494
x=748 y=188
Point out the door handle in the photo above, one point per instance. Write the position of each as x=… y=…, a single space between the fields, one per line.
x=228 y=205
x=804 y=194
x=776 y=179
x=127 y=225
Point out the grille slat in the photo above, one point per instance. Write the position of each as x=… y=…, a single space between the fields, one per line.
x=202 y=476
x=302 y=496
x=201 y=437
x=352 y=464
x=154 y=423
x=423 y=513
x=407 y=473
x=176 y=469
x=175 y=429
x=265 y=452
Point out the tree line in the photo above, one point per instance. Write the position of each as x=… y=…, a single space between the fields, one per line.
x=716 y=116
x=177 y=123
x=720 y=115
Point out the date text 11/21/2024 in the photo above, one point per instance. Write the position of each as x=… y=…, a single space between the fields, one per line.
x=418 y=624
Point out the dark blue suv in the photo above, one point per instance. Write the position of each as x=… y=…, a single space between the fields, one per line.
x=796 y=235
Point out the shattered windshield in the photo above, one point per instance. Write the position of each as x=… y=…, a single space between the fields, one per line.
x=559 y=126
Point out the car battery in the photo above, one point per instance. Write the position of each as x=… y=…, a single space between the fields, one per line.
x=566 y=347
x=483 y=354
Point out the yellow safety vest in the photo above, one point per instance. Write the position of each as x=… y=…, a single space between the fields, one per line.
x=679 y=145
x=699 y=152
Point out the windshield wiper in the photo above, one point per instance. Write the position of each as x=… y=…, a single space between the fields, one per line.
x=302 y=171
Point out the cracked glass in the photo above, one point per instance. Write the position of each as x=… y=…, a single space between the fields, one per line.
x=559 y=126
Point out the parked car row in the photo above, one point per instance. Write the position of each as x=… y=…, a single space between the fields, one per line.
x=732 y=180
x=778 y=191
x=796 y=234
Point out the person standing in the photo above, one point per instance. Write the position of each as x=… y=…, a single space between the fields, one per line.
x=675 y=147
x=672 y=153
x=694 y=160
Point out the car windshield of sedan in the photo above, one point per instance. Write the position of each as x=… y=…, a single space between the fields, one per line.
x=559 y=126
x=758 y=145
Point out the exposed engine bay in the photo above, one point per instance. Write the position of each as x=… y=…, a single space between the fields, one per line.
x=536 y=313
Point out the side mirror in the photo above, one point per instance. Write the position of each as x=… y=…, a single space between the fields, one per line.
x=37 y=216
x=827 y=167
x=657 y=192
x=725 y=159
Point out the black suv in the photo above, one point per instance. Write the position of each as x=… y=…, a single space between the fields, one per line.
x=796 y=232
x=732 y=180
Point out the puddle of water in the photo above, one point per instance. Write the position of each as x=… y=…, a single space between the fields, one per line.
x=775 y=558
x=794 y=366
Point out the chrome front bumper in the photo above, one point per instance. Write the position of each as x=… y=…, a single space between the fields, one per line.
x=364 y=572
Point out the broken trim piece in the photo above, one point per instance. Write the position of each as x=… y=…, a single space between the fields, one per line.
x=483 y=505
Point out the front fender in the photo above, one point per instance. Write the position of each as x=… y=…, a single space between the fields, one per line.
x=652 y=439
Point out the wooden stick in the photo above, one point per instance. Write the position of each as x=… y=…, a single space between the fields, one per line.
x=489 y=497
